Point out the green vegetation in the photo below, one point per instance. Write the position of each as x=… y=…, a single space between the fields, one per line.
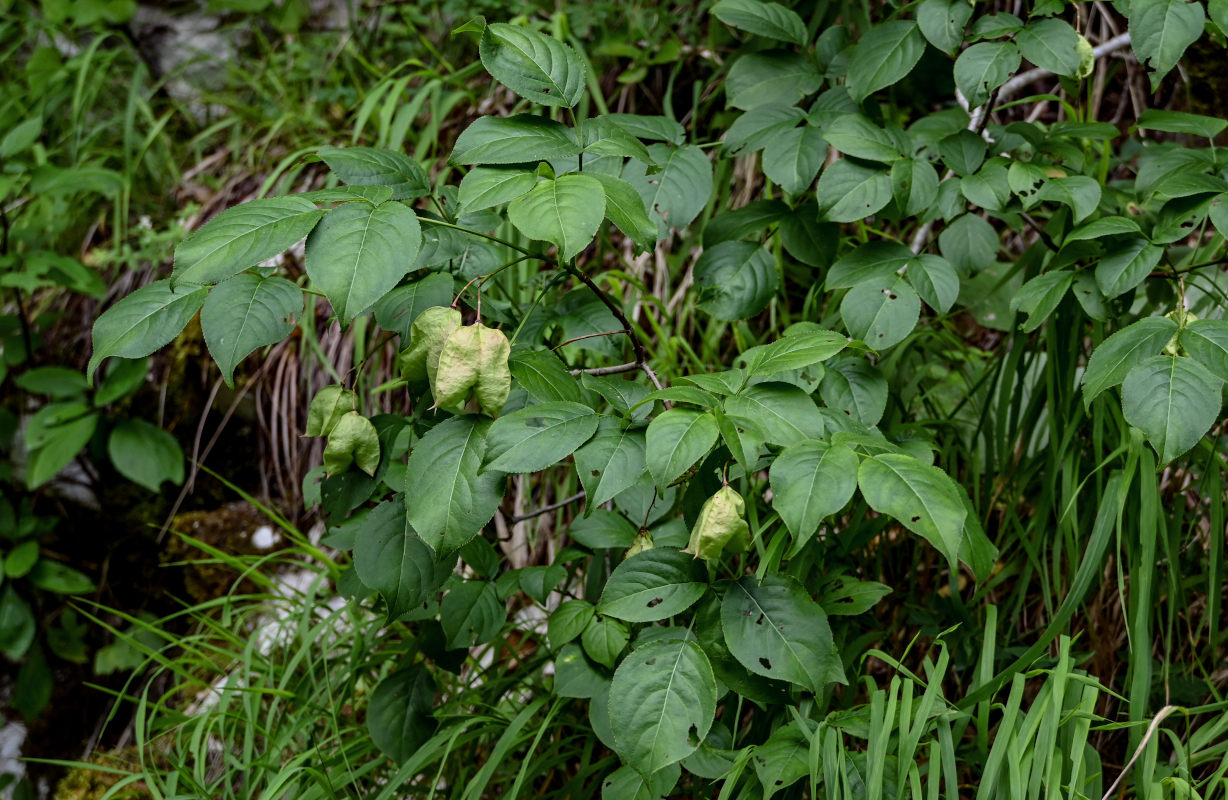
x=750 y=400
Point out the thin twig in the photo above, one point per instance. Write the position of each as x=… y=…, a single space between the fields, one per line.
x=641 y=354
x=537 y=512
x=630 y=366
x=589 y=336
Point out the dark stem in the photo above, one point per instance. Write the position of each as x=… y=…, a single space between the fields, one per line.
x=641 y=354
x=537 y=512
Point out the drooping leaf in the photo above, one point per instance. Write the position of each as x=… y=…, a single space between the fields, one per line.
x=793 y=158
x=54 y=435
x=611 y=462
x=486 y=187
x=1080 y=192
x=399 y=715
x=565 y=211
x=625 y=208
x=1173 y=400
x=1040 y=296
x=811 y=480
x=145 y=454
x=935 y=280
x=763 y=19
x=856 y=387
x=392 y=560
x=795 y=351
x=943 y=22
x=775 y=630
x=247 y=312
x=537 y=67
x=449 y=499
x=519 y=139
x=779 y=412
x=653 y=585
x=1051 y=44
x=242 y=237
x=675 y=440
x=1161 y=30
x=735 y=279
x=373 y=166
x=921 y=497
x=773 y=76
x=885 y=54
x=538 y=436
x=1126 y=266
x=662 y=703
x=783 y=760
x=1206 y=341
x=144 y=321
x=471 y=613
x=359 y=252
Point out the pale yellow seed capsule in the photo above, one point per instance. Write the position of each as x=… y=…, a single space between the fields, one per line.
x=430 y=330
x=473 y=363
x=720 y=525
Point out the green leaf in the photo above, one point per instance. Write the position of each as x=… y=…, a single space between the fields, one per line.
x=54 y=436
x=809 y=241
x=372 y=166
x=774 y=629
x=1123 y=351
x=538 y=436
x=653 y=585
x=603 y=137
x=885 y=54
x=1039 y=297
x=359 y=252
x=1206 y=341
x=677 y=439
x=914 y=182
x=763 y=19
x=539 y=68
x=793 y=158
x=1126 y=266
x=811 y=480
x=625 y=208
x=871 y=261
x=392 y=560
x=544 y=377
x=662 y=704
x=921 y=497
x=145 y=454
x=603 y=530
x=611 y=462
x=247 y=312
x=397 y=310
x=857 y=136
x=984 y=67
x=574 y=674
x=603 y=639
x=486 y=187
x=472 y=613
x=1079 y=192
x=794 y=351
x=53 y=576
x=144 y=321
x=1105 y=226
x=568 y=621
x=353 y=440
x=17 y=626
x=448 y=500
x=735 y=279
x=756 y=128
x=1161 y=30
x=849 y=192
x=773 y=76
x=856 y=387
x=969 y=243
x=935 y=280
x=678 y=190
x=242 y=237
x=57 y=382
x=963 y=152
x=565 y=212
x=783 y=760
x=780 y=413
x=519 y=139
x=1051 y=44
x=1174 y=401
x=399 y=715
x=652 y=128
x=943 y=23
x=846 y=597
x=25 y=133
x=881 y=312
x=1158 y=119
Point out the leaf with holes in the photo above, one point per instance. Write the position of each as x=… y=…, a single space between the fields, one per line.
x=922 y=497
x=611 y=462
x=538 y=436
x=662 y=703
x=810 y=481
x=242 y=237
x=1174 y=401
x=447 y=498
x=881 y=312
x=247 y=312
x=783 y=760
x=856 y=387
x=774 y=629
x=653 y=585
x=537 y=67
x=565 y=212
x=675 y=440
x=849 y=192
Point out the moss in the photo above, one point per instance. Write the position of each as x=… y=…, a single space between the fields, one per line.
x=229 y=529
x=93 y=780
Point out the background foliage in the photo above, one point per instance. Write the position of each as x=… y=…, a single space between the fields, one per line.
x=744 y=400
